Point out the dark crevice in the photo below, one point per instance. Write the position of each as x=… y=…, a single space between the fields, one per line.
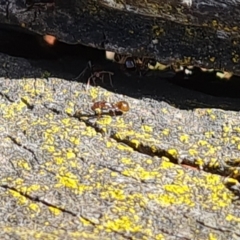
x=7 y=97
x=163 y=153
x=33 y=46
x=217 y=228
x=52 y=109
x=15 y=141
x=37 y=199
x=184 y=162
x=29 y=106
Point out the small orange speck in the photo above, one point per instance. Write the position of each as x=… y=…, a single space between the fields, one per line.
x=49 y=39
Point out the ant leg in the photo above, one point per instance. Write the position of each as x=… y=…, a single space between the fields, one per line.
x=91 y=78
x=100 y=76
x=110 y=79
x=89 y=66
x=94 y=81
x=88 y=83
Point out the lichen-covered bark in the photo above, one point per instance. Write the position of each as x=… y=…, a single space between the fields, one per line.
x=170 y=31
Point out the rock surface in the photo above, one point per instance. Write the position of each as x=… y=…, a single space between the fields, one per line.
x=135 y=176
x=167 y=169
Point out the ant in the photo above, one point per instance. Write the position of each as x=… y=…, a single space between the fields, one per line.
x=113 y=109
x=137 y=64
x=95 y=75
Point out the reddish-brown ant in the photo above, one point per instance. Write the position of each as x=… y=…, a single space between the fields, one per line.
x=113 y=109
x=95 y=75
x=137 y=64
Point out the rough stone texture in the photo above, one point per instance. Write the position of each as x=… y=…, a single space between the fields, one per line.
x=204 y=33
x=156 y=172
